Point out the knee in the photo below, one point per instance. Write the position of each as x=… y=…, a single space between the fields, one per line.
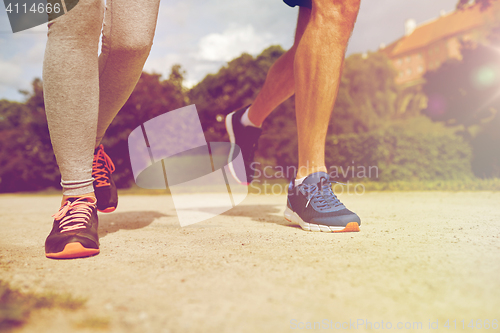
x=133 y=45
x=339 y=11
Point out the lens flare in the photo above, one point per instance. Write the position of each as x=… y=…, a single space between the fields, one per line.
x=486 y=76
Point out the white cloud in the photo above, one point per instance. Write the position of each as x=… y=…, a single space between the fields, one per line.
x=20 y=61
x=178 y=13
x=232 y=42
x=36 y=54
x=162 y=65
x=11 y=73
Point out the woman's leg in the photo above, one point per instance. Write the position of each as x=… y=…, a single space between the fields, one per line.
x=71 y=92
x=79 y=90
x=129 y=27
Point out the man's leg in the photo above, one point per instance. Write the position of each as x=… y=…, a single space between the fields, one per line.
x=243 y=126
x=279 y=84
x=317 y=70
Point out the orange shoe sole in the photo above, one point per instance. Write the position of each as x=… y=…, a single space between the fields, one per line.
x=350 y=227
x=73 y=250
x=107 y=210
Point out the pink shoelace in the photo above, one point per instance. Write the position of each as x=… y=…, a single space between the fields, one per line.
x=79 y=210
x=100 y=166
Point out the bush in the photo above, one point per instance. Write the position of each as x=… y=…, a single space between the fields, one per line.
x=486 y=154
x=415 y=149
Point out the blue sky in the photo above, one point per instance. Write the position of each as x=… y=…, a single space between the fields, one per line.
x=203 y=35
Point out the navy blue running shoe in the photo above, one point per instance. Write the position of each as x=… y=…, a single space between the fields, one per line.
x=246 y=138
x=315 y=207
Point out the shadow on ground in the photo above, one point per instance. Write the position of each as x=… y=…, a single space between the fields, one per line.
x=110 y=223
x=258 y=213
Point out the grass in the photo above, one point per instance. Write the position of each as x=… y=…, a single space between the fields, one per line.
x=280 y=185
x=273 y=185
x=16 y=306
x=267 y=186
x=276 y=186
x=474 y=184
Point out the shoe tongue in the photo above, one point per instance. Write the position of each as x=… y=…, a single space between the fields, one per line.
x=98 y=148
x=89 y=199
x=315 y=178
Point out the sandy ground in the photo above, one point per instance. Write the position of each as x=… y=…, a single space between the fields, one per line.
x=420 y=257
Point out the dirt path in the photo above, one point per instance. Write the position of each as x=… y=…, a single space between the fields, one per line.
x=420 y=257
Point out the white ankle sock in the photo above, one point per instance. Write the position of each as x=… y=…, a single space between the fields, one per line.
x=245 y=121
x=299 y=181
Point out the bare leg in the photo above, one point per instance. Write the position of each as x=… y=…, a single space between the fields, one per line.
x=312 y=67
x=279 y=84
x=317 y=69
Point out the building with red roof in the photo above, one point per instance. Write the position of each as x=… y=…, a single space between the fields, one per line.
x=425 y=47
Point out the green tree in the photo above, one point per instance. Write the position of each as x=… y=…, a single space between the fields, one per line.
x=232 y=87
x=369 y=97
x=26 y=159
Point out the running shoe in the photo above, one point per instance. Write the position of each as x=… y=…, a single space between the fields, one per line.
x=74 y=233
x=246 y=138
x=104 y=186
x=315 y=207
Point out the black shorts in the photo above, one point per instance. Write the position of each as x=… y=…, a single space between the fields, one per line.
x=301 y=3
